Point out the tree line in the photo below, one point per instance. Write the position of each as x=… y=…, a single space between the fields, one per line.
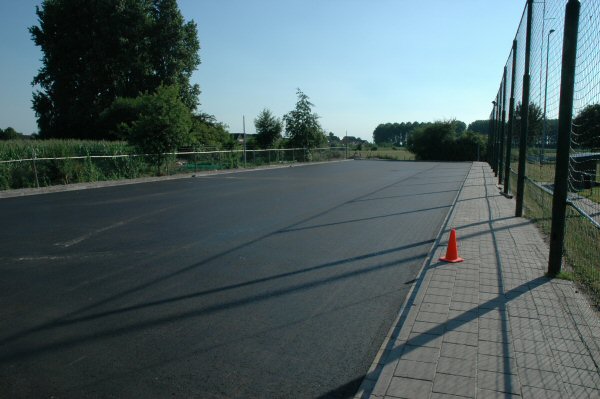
x=398 y=133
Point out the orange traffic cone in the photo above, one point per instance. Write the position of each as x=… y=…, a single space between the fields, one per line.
x=452 y=251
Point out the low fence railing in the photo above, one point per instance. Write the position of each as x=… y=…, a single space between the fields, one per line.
x=48 y=171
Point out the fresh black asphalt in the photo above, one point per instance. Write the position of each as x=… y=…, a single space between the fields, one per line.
x=274 y=283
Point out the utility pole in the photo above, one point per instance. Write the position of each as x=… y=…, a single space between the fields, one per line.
x=346 y=143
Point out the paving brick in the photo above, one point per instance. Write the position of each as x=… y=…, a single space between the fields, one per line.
x=437 y=299
x=568 y=345
x=464 y=306
x=441 y=284
x=497 y=364
x=468 y=298
x=585 y=378
x=470 y=326
x=487 y=394
x=435 y=395
x=496 y=349
x=453 y=366
x=440 y=291
x=585 y=362
x=434 y=308
x=428 y=328
x=534 y=392
x=535 y=361
x=454 y=385
x=462 y=315
x=539 y=379
x=529 y=346
x=460 y=337
x=486 y=334
x=422 y=339
x=401 y=387
x=431 y=317
x=580 y=392
x=420 y=354
x=458 y=351
x=528 y=334
x=499 y=382
x=415 y=370
x=493 y=313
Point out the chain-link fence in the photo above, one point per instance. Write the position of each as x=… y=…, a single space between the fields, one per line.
x=526 y=124
x=42 y=171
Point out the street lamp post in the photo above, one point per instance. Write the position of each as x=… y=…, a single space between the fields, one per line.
x=546 y=98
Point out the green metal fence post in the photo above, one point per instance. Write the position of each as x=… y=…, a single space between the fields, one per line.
x=502 y=130
x=565 y=119
x=511 y=119
x=524 y=116
x=494 y=128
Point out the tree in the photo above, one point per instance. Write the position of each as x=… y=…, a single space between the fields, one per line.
x=302 y=125
x=481 y=126
x=586 y=127
x=96 y=51
x=535 y=126
x=162 y=122
x=333 y=140
x=458 y=126
x=394 y=133
x=10 y=134
x=439 y=141
x=207 y=132
x=268 y=129
x=431 y=142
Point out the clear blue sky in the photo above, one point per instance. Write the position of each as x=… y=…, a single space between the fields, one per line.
x=361 y=62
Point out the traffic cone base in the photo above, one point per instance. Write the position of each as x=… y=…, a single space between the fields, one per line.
x=452 y=250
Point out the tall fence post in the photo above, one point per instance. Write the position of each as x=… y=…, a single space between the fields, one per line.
x=524 y=116
x=502 y=130
x=494 y=133
x=511 y=118
x=490 y=137
x=565 y=119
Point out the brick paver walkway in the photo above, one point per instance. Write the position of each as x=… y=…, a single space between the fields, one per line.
x=492 y=326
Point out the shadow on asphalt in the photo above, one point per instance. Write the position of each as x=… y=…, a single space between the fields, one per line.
x=71 y=319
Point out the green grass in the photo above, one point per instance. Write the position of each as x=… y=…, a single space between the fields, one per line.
x=592 y=194
x=582 y=238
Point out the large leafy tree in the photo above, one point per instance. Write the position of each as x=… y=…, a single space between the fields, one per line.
x=96 y=51
x=302 y=125
x=157 y=123
x=268 y=129
x=586 y=127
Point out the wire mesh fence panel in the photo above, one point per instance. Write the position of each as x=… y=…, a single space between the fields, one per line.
x=520 y=37
x=582 y=220
x=546 y=63
x=582 y=234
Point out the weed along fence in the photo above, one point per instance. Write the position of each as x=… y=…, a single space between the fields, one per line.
x=545 y=124
x=41 y=171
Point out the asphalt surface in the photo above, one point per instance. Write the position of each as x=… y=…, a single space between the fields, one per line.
x=275 y=283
